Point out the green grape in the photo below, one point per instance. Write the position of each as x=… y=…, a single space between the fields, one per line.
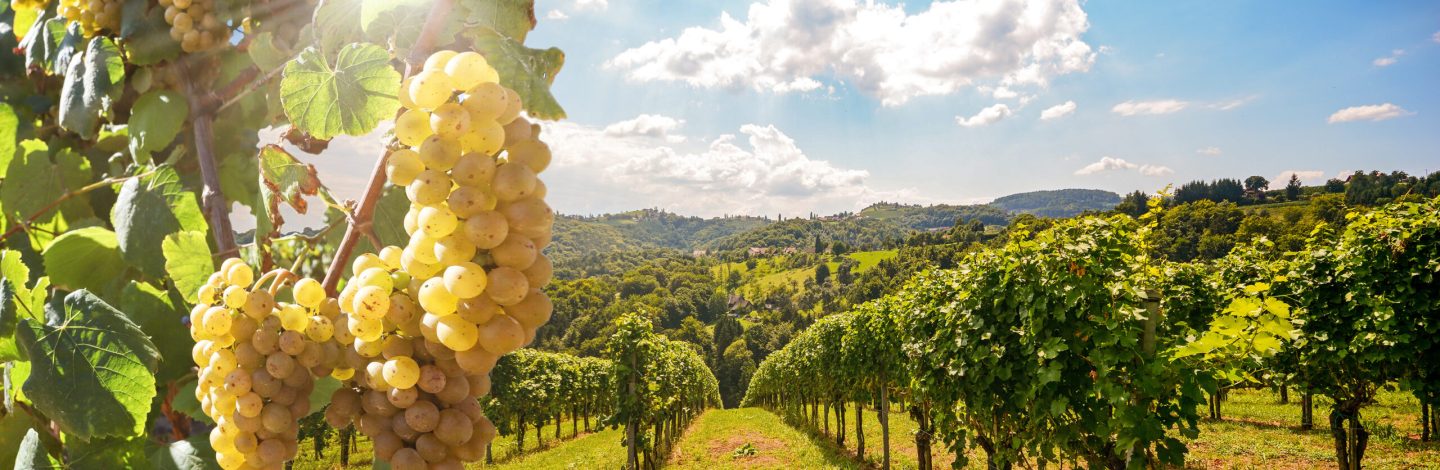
x=216 y=321
x=430 y=89
x=450 y=120
x=512 y=107
x=412 y=218
x=391 y=256
x=507 y=286
x=474 y=169
x=422 y=248
x=456 y=333
x=235 y=296
x=412 y=127
x=485 y=101
x=468 y=69
x=501 y=335
x=371 y=302
x=437 y=222
x=240 y=275
x=376 y=277
x=454 y=249
x=365 y=261
x=466 y=201
x=436 y=299
x=438 y=60
x=487 y=229
x=484 y=137
x=513 y=182
x=404 y=94
x=402 y=371
x=402 y=166
x=465 y=280
x=430 y=187
x=532 y=153
x=439 y=153
x=293 y=317
x=320 y=329
x=309 y=293
x=365 y=329
x=515 y=252
x=259 y=304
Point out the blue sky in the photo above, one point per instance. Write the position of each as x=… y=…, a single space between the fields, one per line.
x=828 y=105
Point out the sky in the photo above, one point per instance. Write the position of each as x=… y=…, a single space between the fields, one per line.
x=768 y=107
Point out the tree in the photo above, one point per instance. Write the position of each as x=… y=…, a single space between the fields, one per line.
x=1292 y=189
x=1334 y=185
x=1135 y=204
x=1257 y=184
x=822 y=273
x=1227 y=190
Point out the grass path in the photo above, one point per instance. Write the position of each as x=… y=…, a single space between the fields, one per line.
x=712 y=442
x=595 y=450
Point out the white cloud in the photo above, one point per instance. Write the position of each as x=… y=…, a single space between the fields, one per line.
x=556 y=15
x=1390 y=59
x=1226 y=105
x=1058 y=111
x=1435 y=37
x=1306 y=176
x=985 y=117
x=651 y=125
x=760 y=171
x=790 y=45
x=1373 y=112
x=1108 y=163
x=1135 y=108
x=592 y=4
x=1211 y=151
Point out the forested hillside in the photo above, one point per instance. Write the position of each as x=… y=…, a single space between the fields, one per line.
x=1058 y=203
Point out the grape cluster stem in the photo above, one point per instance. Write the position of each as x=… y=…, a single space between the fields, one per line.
x=434 y=22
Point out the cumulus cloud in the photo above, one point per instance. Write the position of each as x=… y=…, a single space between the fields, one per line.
x=759 y=171
x=651 y=125
x=556 y=15
x=1435 y=37
x=790 y=45
x=985 y=117
x=1306 y=176
x=1058 y=111
x=1211 y=151
x=1136 y=108
x=1390 y=59
x=1109 y=164
x=1372 y=112
x=592 y=4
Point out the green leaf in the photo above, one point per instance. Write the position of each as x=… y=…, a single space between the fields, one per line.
x=40 y=43
x=86 y=94
x=193 y=453
x=32 y=454
x=13 y=428
x=511 y=19
x=350 y=96
x=92 y=369
x=9 y=319
x=86 y=258
x=266 y=54
x=320 y=395
x=527 y=71
x=161 y=319
x=283 y=178
x=337 y=23
x=9 y=125
x=185 y=402
x=239 y=180
x=155 y=120
x=67 y=47
x=147 y=211
x=145 y=34
x=113 y=452
x=389 y=219
x=399 y=22
x=187 y=261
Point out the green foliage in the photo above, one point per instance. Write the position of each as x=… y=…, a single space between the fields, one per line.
x=656 y=381
x=349 y=95
x=1058 y=203
x=92 y=369
x=87 y=258
x=158 y=117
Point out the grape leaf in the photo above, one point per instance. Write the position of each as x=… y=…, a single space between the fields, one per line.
x=32 y=454
x=399 y=23
x=508 y=18
x=266 y=54
x=163 y=320
x=86 y=258
x=527 y=71
x=337 y=23
x=350 y=96
x=40 y=44
x=187 y=261
x=89 y=83
x=185 y=402
x=283 y=178
x=145 y=34
x=9 y=125
x=238 y=179
x=104 y=453
x=33 y=183
x=148 y=210
x=193 y=453
x=92 y=369
x=67 y=46
x=155 y=120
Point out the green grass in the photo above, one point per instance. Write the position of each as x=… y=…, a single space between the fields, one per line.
x=868 y=259
x=595 y=450
x=710 y=443
x=503 y=448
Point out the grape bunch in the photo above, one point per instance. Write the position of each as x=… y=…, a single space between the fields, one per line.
x=193 y=23
x=425 y=324
x=94 y=16
x=258 y=360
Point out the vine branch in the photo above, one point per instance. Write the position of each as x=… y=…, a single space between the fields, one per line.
x=217 y=212
x=434 y=22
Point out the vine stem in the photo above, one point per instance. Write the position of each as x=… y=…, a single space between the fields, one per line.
x=217 y=212
x=64 y=197
x=434 y=22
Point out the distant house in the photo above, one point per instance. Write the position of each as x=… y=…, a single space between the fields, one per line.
x=699 y=253
x=790 y=250
x=737 y=302
x=759 y=250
